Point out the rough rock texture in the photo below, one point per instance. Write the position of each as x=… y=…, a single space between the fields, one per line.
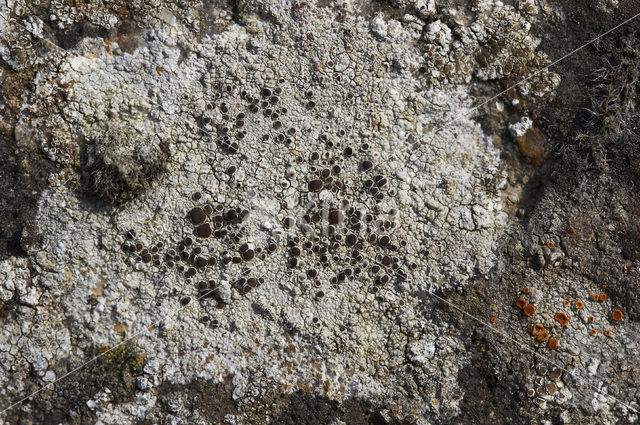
x=286 y=212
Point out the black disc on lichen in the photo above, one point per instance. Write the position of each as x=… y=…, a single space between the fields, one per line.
x=118 y=167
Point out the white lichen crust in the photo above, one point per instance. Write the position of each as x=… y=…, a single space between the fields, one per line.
x=319 y=176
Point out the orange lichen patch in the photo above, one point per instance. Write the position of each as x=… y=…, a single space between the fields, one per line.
x=542 y=336
x=529 y=310
x=552 y=344
x=590 y=319
x=525 y=290
x=493 y=319
x=561 y=318
x=566 y=303
x=521 y=303
x=536 y=329
x=550 y=244
x=105 y=348
x=607 y=332
x=579 y=304
x=593 y=332
x=616 y=315
x=596 y=297
x=602 y=297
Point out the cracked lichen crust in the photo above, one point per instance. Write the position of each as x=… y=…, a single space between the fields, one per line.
x=243 y=146
x=305 y=204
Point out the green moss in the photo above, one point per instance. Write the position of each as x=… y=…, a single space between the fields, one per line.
x=128 y=358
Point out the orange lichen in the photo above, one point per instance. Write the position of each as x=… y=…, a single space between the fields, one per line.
x=596 y=297
x=602 y=297
x=521 y=303
x=552 y=344
x=616 y=315
x=536 y=329
x=607 y=332
x=542 y=336
x=493 y=319
x=561 y=318
x=566 y=303
x=529 y=310
x=579 y=304
x=550 y=244
x=590 y=319
x=593 y=332
x=525 y=290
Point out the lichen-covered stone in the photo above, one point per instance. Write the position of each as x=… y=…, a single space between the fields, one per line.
x=293 y=181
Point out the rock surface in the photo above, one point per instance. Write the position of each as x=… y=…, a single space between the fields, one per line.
x=318 y=212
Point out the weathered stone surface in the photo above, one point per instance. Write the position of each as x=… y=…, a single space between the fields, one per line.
x=305 y=223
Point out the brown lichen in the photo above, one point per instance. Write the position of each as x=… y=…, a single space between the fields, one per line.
x=552 y=344
x=531 y=146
